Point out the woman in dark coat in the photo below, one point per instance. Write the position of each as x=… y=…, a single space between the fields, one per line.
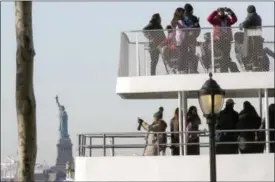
x=192 y=124
x=155 y=38
x=271 y=112
x=174 y=127
x=261 y=134
x=248 y=119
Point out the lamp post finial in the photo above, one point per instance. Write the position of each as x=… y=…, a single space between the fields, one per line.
x=210 y=75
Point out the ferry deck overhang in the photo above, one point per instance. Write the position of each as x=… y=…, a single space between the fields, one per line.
x=236 y=85
x=135 y=82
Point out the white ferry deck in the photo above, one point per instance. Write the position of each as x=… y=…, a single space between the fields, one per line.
x=99 y=160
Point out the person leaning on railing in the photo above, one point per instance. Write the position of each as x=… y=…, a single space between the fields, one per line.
x=206 y=51
x=191 y=30
x=227 y=120
x=154 y=33
x=174 y=127
x=261 y=135
x=245 y=62
x=271 y=112
x=253 y=44
x=192 y=124
x=248 y=120
x=169 y=50
x=222 y=19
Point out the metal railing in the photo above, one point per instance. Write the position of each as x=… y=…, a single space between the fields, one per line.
x=88 y=143
x=155 y=52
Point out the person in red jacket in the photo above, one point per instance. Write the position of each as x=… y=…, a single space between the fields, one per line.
x=222 y=19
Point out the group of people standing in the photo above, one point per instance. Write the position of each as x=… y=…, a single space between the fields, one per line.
x=178 y=49
x=228 y=119
x=180 y=44
x=246 y=119
x=157 y=143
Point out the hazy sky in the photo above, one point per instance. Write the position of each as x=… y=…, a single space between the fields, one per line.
x=77 y=51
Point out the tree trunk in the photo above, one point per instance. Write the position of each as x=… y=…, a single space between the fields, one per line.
x=25 y=99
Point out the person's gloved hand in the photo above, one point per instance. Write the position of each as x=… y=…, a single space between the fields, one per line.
x=140 y=121
x=220 y=9
x=228 y=11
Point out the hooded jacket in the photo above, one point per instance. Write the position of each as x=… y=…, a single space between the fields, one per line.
x=216 y=21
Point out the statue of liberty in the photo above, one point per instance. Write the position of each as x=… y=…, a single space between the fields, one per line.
x=63 y=120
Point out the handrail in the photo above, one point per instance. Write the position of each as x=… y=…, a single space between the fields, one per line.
x=124 y=146
x=109 y=134
x=146 y=43
x=116 y=135
x=233 y=27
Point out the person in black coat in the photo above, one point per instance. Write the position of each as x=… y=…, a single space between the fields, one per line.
x=227 y=120
x=174 y=127
x=261 y=134
x=206 y=51
x=248 y=119
x=253 y=20
x=155 y=37
x=192 y=124
x=253 y=44
x=271 y=112
x=191 y=28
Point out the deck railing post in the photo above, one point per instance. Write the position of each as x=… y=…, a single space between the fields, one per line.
x=260 y=103
x=83 y=145
x=91 y=143
x=267 y=145
x=104 y=145
x=184 y=113
x=180 y=123
x=146 y=60
x=79 y=145
x=212 y=53
x=137 y=54
x=113 y=147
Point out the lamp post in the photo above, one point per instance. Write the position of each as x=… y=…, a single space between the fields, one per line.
x=211 y=98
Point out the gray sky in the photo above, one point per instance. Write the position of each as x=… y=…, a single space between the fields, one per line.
x=77 y=51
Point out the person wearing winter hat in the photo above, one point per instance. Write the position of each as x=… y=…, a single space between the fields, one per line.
x=188 y=8
x=188 y=40
x=154 y=140
x=253 y=19
x=159 y=114
x=253 y=44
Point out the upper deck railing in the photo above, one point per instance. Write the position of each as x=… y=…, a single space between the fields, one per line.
x=139 y=52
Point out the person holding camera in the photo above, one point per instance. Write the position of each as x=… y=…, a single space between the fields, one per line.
x=155 y=143
x=222 y=19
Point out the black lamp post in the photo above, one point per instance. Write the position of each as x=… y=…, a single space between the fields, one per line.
x=211 y=98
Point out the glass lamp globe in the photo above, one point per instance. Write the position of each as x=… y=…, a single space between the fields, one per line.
x=211 y=97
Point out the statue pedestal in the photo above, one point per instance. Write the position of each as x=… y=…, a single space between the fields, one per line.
x=64 y=152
